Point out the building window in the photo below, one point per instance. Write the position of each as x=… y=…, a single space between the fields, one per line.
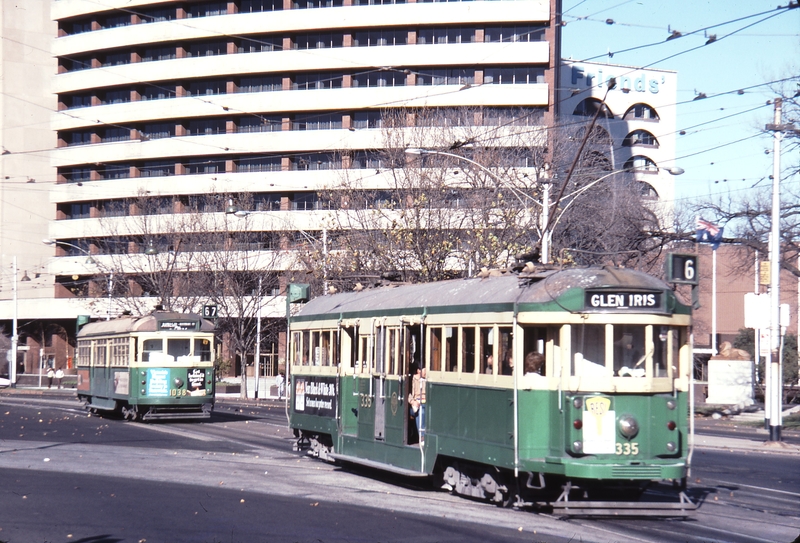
x=380 y=78
x=317 y=80
x=79 y=210
x=316 y=161
x=207 y=49
x=77 y=63
x=367 y=119
x=82 y=137
x=205 y=166
x=260 y=44
x=373 y=38
x=114 y=208
x=260 y=84
x=206 y=88
x=640 y=163
x=647 y=191
x=253 y=6
x=267 y=201
x=513 y=76
x=157 y=169
x=208 y=9
x=589 y=106
x=325 y=40
x=512 y=34
x=640 y=137
x=156 y=15
x=152 y=54
x=312 y=4
x=205 y=127
x=114 y=133
x=115 y=21
x=452 y=76
x=305 y=201
x=377 y=2
x=78 y=100
x=75 y=175
x=441 y=36
x=317 y=122
x=640 y=112
x=259 y=123
x=259 y=164
x=116 y=171
x=76 y=27
x=158 y=92
x=116 y=59
x=154 y=131
x=117 y=96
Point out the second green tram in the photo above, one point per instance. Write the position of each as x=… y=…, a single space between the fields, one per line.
x=160 y=366
x=606 y=409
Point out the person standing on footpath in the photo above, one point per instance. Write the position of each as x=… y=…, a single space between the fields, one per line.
x=59 y=376
x=50 y=376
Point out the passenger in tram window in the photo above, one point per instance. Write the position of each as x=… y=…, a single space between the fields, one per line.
x=534 y=363
x=508 y=364
x=489 y=365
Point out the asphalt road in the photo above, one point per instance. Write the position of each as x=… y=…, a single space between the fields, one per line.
x=72 y=477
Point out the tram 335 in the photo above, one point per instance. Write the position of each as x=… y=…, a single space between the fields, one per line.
x=152 y=367
x=538 y=388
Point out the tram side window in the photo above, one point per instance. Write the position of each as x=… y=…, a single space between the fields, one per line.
x=506 y=350
x=588 y=350
x=629 y=350
x=468 y=350
x=411 y=348
x=177 y=347
x=451 y=334
x=436 y=349
x=296 y=344
x=486 y=355
x=321 y=348
x=349 y=347
x=664 y=338
x=364 y=353
x=202 y=348
x=151 y=346
x=534 y=339
x=119 y=351
x=305 y=347
x=392 y=366
x=100 y=353
x=84 y=357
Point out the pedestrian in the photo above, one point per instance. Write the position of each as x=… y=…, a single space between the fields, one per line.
x=59 y=376
x=280 y=381
x=50 y=376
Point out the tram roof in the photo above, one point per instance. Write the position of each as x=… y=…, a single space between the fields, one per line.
x=556 y=290
x=147 y=323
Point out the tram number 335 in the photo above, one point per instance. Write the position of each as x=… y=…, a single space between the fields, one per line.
x=627 y=449
x=365 y=400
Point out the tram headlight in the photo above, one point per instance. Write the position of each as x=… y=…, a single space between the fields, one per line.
x=671 y=446
x=577 y=403
x=671 y=404
x=577 y=446
x=178 y=382
x=628 y=426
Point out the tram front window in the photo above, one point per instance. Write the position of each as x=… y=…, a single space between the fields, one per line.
x=178 y=347
x=588 y=350
x=202 y=348
x=629 y=350
x=151 y=346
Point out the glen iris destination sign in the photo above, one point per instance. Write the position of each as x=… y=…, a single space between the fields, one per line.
x=623 y=301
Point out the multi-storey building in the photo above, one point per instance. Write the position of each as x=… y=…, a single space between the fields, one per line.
x=177 y=102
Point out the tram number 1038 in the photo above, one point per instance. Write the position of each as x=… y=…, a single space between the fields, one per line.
x=627 y=449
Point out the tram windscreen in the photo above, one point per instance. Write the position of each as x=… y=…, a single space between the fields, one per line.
x=202 y=348
x=629 y=350
x=151 y=346
x=177 y=347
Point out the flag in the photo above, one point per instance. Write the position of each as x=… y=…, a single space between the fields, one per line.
x=708 y=232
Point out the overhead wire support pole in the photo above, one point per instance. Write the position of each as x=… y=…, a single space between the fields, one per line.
x=776 y=386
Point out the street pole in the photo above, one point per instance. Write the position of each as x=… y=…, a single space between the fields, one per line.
x=12 y=364
x=776 y=397
x=258 y=340
x=544 y=257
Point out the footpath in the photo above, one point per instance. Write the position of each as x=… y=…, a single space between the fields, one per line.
x=705 y=437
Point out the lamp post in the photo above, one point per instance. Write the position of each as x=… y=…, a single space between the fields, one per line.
x=90 y=261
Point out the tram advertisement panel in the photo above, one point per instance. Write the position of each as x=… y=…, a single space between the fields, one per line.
x=315 y=396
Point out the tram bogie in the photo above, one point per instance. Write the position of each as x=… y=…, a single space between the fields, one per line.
x=534 y=389
x=159 y=366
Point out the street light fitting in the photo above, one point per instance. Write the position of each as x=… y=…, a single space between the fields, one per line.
x=232 y=209
x=151 y=249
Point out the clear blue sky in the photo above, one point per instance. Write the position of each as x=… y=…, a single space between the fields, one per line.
x=750 y=51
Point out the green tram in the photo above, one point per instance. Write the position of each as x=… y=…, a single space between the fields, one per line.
x=153 y=367
x=605 y=414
